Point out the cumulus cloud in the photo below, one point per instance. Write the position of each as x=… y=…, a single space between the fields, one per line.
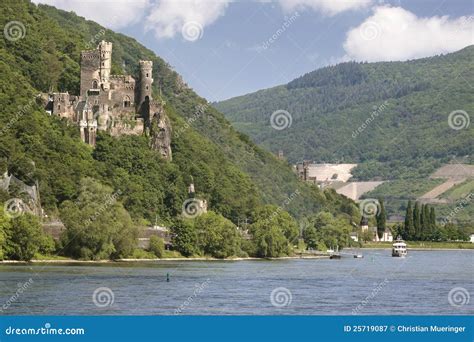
x=112 y=14
x=186 y=17
x=328 y=7
x=393 y=33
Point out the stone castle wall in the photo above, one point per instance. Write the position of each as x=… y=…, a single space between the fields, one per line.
x=114 y=103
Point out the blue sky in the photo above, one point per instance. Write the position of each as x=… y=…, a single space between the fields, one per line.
x=224 y=49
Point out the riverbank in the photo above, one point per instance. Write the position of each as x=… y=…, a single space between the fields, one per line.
x=74 y=261
x=423 y=245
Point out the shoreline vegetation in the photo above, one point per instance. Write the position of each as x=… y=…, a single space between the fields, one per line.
x=414 y=246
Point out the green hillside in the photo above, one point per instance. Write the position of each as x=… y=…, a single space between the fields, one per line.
x=231 y=172
x=390 y=117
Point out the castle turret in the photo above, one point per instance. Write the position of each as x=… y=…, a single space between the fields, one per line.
x=105 y=51
x=146 y=81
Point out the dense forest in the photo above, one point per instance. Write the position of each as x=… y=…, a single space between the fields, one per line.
x=390 y=117
x=238 y=179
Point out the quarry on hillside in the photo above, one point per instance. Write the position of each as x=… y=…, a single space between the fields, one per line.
x=336 y=176
x=454 y=174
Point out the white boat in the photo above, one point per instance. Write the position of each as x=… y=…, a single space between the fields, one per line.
x=399 y=248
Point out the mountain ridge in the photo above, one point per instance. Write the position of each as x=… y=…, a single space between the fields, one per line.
x=328 y=104
x=232 y=173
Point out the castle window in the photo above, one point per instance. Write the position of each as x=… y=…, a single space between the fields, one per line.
x=147 y=75
x=103 y=63
x=126 y=101
x=146 y=87
x=95 y=85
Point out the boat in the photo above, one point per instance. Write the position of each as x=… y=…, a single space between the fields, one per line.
x=334 y=254
x=399 y=248
x=358 y=256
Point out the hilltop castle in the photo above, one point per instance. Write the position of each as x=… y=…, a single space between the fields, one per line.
x=114 y=103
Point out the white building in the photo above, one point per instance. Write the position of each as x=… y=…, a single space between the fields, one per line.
x=386 y=237
x=354 y=236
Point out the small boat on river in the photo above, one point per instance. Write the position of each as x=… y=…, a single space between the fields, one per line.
x=399 y=248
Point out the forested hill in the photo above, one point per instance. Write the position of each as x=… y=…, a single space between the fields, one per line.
x=230 y=171
x=392 y=117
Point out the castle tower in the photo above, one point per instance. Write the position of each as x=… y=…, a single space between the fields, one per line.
x=105 y=53
x=146 y=81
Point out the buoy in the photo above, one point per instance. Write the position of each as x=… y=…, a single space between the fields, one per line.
x=167 y=277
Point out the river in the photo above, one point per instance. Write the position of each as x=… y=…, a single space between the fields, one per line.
x=426 y=282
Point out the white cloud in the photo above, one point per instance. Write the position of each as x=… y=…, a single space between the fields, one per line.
x=328 y=7
x=109 y=13
x=186 y=17
x=393 y=33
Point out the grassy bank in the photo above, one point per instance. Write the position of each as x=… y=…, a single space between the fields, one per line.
x=423 y=245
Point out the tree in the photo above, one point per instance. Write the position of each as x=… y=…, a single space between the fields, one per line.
x=409 y=228
x=310 y=236
x=273 y=231
x=157 y=246
x=332 y=231
x=269 y=240
x=24 y=238
x=416 y=222
x=381 y=219
x=432 y=220
x=97 y=225
x=217 y=236
x=184 y=237
x=280 y=218
x=4 y=226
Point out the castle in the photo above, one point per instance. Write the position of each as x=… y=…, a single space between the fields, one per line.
x=114 y=103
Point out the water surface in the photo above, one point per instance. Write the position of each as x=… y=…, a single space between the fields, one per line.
x=376 y=284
